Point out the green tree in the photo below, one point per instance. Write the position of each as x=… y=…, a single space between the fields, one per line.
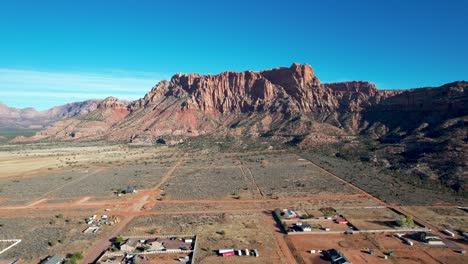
x=119 y=240
x=410 y=221
x=74 y=259
x=402 y=221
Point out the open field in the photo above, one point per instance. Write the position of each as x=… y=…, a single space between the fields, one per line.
x=102 y=182
x=45 y=236
x=388 y=185
x=251 y=176
x=443 y=217
x=372 y=218
x=28 y=160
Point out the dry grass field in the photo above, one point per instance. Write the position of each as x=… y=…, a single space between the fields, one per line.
x=46 y=236
x=443 y=217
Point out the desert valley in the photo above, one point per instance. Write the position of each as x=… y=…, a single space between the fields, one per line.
x=233 y=132
x=269 y=167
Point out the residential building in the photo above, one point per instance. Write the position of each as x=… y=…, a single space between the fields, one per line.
x=55 y=259
x=130 y=245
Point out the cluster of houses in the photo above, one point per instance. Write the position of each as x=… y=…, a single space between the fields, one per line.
x=171 y=244
x=138 y=249
x=238 y=252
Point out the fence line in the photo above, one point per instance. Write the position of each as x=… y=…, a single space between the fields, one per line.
x=156 y=236
x=16 y=242
x=361 y=231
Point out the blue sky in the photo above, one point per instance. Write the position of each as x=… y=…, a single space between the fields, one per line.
x=53 y=52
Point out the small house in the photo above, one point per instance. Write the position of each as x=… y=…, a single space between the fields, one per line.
x=288 y=213
x=130 y=245
x=155 y=245
x=430 y=239
x=336 y=257
x=55 y=259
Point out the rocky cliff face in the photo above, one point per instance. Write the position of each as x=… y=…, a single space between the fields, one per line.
x=281 y=101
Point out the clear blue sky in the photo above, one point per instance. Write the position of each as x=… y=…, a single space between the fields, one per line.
x=52 y=52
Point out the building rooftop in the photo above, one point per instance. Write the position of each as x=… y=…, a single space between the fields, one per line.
x=52 y=260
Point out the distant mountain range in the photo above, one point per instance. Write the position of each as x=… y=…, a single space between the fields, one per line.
x=29 y=118
x=423 y=127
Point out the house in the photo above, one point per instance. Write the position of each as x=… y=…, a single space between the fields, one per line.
x=164 y=243
x=336 y=257
x=430 y=239
x=55 y=259
x=288 y=213
x=130 y=245
x=155 y=245
x=342 y=221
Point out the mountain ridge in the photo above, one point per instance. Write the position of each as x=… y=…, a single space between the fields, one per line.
x=417 y=131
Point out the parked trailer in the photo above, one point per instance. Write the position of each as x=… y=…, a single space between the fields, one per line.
x=447 y=232
x=221 y=251
x=227 y=254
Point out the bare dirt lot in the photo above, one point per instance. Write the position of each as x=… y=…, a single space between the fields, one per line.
x=372 y=218
x=355 y=248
